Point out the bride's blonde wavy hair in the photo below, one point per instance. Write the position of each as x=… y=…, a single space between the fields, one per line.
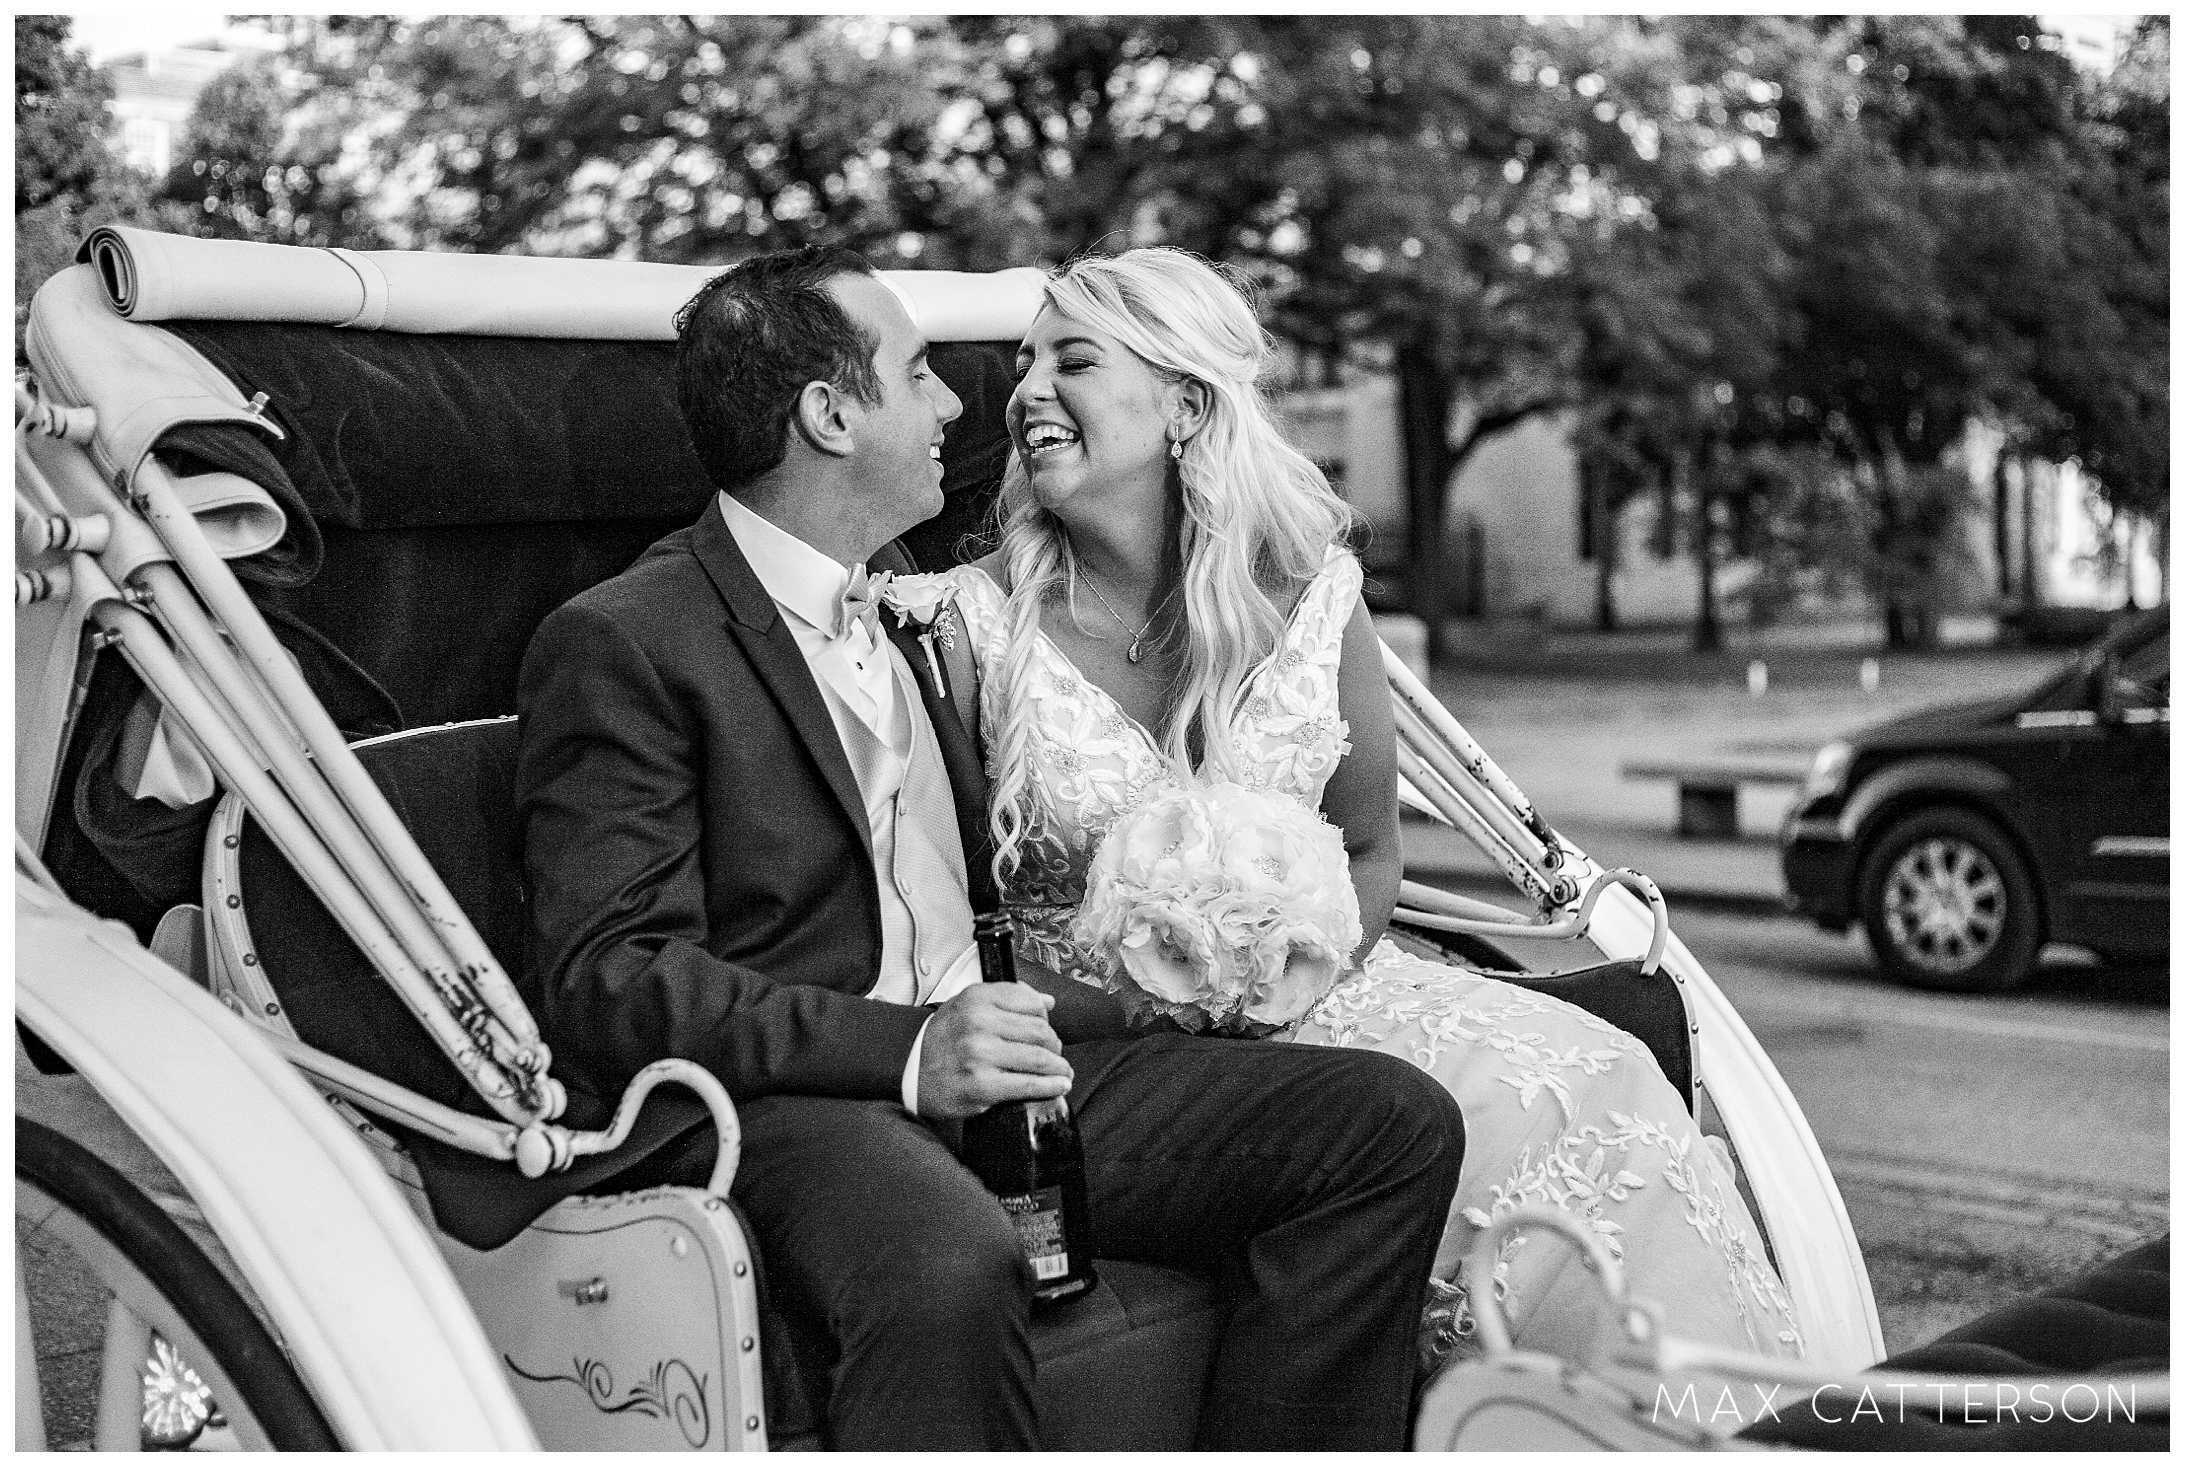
x=1257 y=517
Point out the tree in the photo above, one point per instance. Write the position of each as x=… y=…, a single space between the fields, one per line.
x=1393 y=182
x=1570 y=215
x=1091 y=132
x=671 y=137
x=67 y=178
x=1942 y=270
x=1805 y=527
x=262 y=159
x=61 y=119
x=1680 y=316
x=1697 y=235
x=2101 y=348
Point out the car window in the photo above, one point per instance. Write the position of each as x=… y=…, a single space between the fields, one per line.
x=2142 y=657
x=2143 y=676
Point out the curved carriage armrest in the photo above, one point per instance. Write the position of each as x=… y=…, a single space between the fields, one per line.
x=536 y=1149
x=544 y=1148
x=1426 y=906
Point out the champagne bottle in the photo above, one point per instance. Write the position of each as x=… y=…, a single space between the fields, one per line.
x=1027 y=1154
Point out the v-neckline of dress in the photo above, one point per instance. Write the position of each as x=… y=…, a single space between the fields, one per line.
x=1246 y=690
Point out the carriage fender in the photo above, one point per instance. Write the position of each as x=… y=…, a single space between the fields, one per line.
x=1816 y=1251
x=346 y=1274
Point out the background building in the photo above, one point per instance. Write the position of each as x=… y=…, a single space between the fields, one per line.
x=158 y=65
x=1515 y=527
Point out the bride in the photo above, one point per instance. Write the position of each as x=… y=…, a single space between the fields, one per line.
x=1172 y=594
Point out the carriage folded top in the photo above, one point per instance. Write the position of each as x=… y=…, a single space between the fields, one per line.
x=149 y=276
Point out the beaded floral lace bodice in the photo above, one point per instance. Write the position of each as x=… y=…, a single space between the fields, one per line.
x=1091 y=762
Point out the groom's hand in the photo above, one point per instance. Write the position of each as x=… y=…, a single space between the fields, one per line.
x=988 y=1044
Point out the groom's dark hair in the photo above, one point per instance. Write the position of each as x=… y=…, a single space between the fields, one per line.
x=747 y=344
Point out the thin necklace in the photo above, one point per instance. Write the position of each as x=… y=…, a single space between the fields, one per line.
x=1135 y=637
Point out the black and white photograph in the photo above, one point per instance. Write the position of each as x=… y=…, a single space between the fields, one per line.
x=1404 y=732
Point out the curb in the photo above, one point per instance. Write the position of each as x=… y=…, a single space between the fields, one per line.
x=1725 y=903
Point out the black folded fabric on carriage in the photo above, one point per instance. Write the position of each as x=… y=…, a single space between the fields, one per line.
x=2111 y=1320
x=1647 y=1006
x=466 y=486
x=389 y=431
x=132 y=859
x=443 y=494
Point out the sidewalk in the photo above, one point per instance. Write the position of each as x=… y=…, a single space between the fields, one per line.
x=1561 y=712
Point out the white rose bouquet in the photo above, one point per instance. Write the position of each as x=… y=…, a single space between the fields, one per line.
x=1221 y=907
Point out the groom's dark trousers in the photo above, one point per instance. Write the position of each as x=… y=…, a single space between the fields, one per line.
x=701 y=885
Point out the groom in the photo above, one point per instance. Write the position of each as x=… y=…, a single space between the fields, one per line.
x=755 y=836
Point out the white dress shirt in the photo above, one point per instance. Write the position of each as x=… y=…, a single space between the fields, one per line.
x=866 y=686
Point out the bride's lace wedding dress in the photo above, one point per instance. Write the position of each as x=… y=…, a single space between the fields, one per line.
x=1559 y=1107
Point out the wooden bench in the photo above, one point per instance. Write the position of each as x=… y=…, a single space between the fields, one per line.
x=1707 y=788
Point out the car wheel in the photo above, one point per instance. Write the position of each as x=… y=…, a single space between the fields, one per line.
x=126 y=1335
x=1948 y=904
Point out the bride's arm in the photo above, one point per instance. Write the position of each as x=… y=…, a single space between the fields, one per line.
x=1360 y=797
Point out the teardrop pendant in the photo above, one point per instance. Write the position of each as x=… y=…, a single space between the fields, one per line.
x=1132 y=654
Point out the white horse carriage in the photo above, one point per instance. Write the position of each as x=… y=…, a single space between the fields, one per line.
x=285 y=520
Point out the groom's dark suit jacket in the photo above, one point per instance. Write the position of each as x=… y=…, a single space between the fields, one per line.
x=699 y=864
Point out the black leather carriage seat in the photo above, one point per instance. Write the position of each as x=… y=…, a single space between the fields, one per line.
x=1122 y=1369
x=2111 y=1320
x=1646 y=1006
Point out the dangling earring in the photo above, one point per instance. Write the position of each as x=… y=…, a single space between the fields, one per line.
x=1176 y=449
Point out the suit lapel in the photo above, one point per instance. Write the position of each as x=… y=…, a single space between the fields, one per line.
x=758 y=626
x=966 y=775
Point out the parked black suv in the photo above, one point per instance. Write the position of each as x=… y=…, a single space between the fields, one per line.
x=1965 y=836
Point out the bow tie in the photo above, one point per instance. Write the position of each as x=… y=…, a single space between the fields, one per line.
x=861 y=602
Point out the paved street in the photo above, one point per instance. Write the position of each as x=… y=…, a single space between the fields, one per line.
x=2065 y=1083
x=1984 y=1145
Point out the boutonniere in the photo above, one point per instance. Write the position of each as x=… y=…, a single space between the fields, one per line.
x=926 y=602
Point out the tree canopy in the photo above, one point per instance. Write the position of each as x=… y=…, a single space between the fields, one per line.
x=1701 y=238
x=67 y=176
